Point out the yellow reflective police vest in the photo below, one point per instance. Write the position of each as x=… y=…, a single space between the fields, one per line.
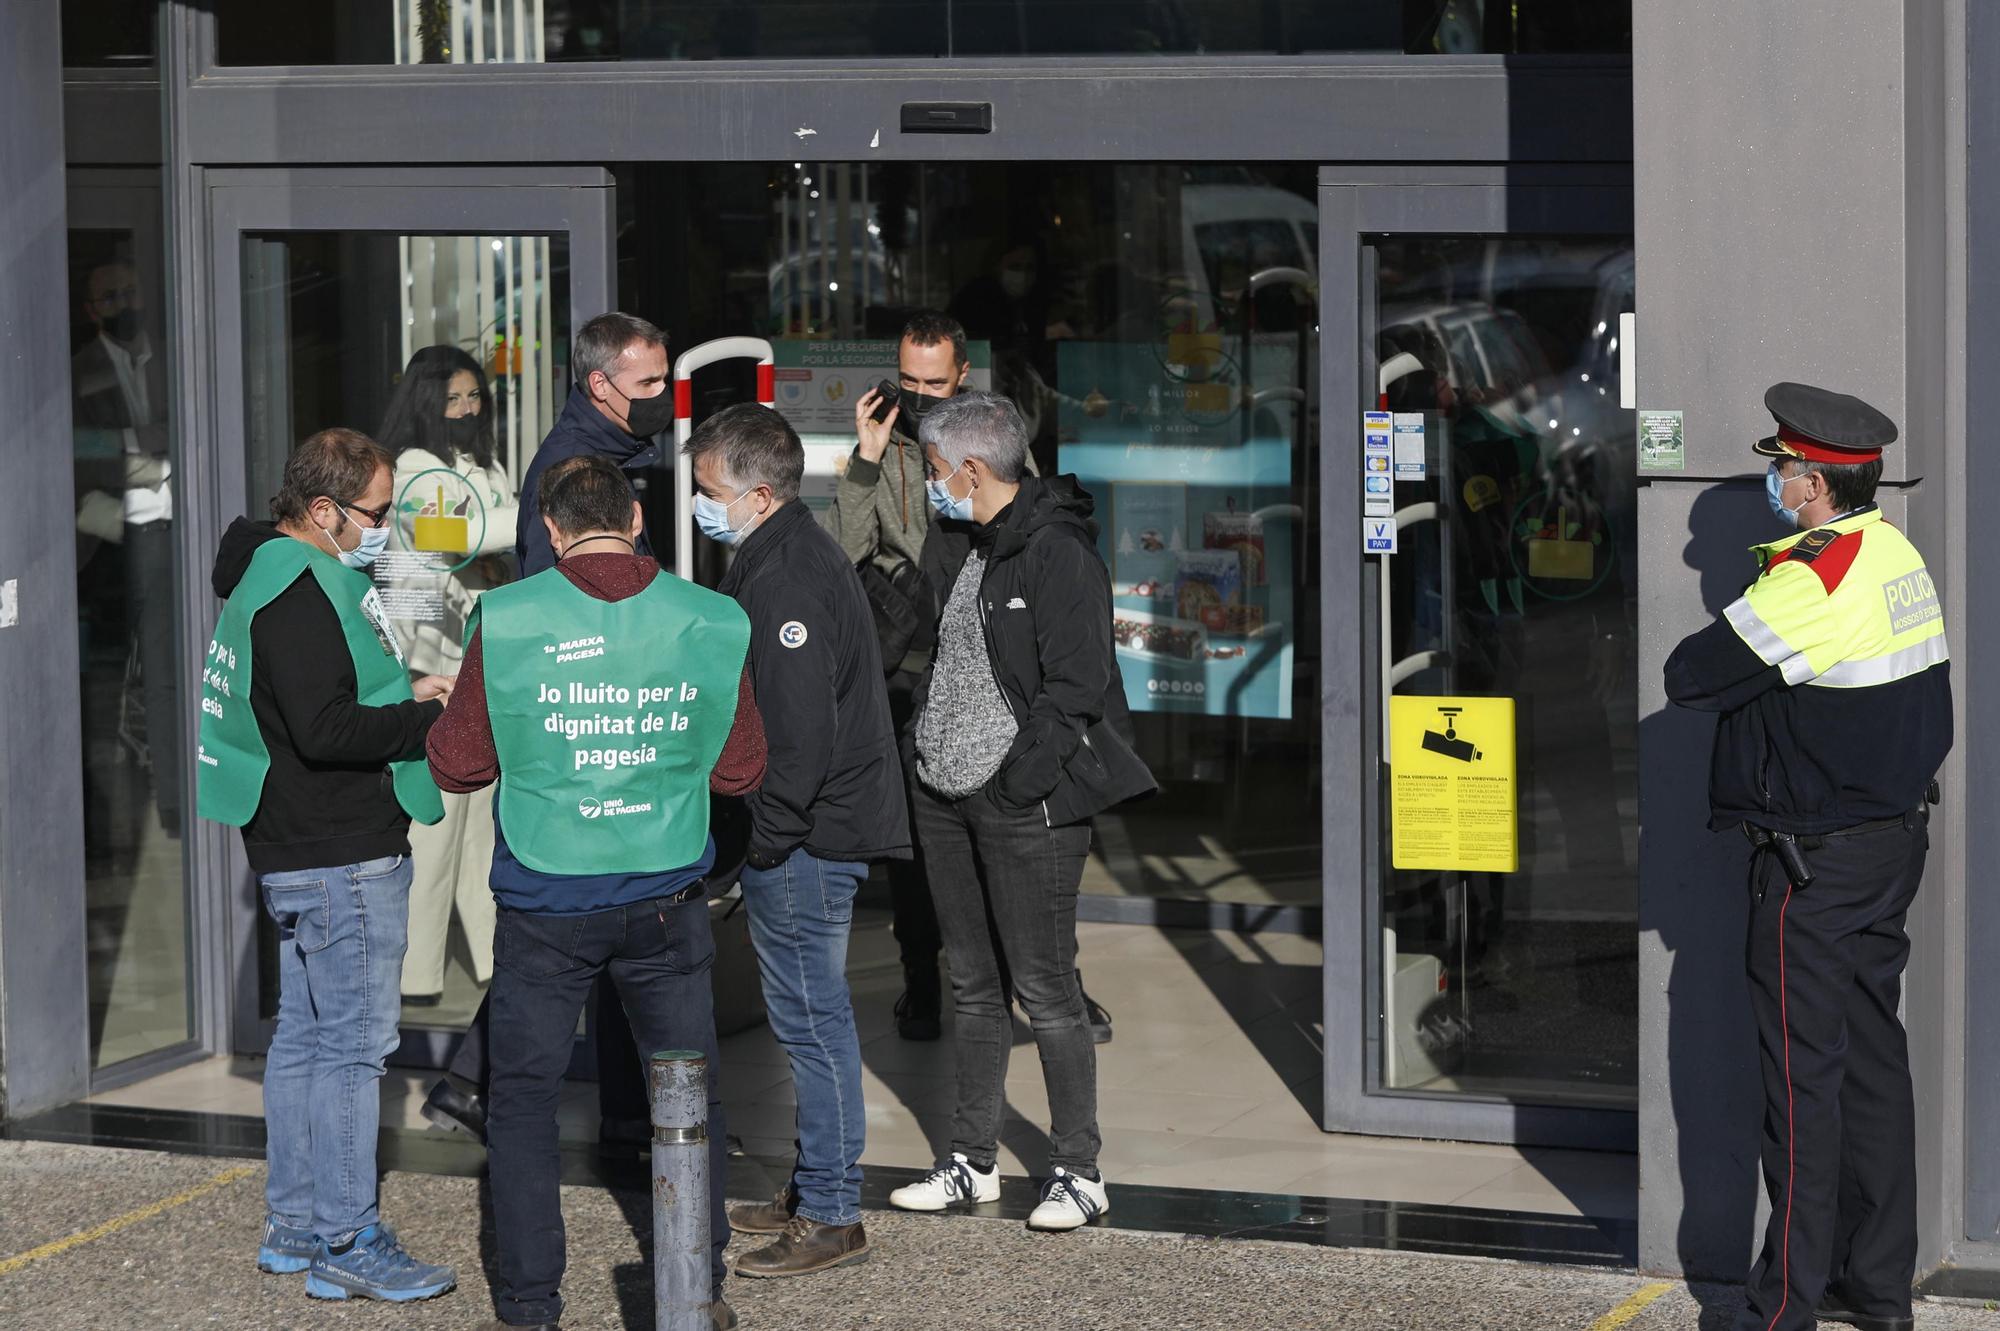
x=1845 y=605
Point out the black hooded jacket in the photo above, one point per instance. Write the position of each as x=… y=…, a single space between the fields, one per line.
x=1045 y=599
x=327 y=799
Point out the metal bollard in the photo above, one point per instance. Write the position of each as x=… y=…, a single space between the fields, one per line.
x=679 y=1081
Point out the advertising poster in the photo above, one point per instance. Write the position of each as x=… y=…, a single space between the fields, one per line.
x=1196 y=522
x=817 y=383
x=1452 y=798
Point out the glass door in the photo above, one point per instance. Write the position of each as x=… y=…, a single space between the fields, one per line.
x=1496 y=574
x=433 y=314
x=134 y=755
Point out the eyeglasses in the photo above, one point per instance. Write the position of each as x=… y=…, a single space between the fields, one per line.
x=375 y=516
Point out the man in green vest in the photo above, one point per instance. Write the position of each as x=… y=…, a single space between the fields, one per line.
x=608 y=699
x=312 y=742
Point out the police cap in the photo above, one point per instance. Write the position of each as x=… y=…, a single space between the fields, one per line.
x=1819 y=425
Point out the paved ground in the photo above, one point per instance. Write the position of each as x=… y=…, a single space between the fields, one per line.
x=165 y=1242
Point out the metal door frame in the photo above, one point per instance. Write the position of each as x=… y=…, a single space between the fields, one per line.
x=1355 y=205
x=576 y=202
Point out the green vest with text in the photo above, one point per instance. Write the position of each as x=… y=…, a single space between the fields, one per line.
x=233 y=760
x=608 y=717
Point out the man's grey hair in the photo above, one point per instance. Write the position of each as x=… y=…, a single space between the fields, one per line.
x=600 y=343
x=979 y=425
x=753 y=445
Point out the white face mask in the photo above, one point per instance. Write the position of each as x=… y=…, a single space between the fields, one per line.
x=712 y=516
x=374 y=540
x=1774 y=494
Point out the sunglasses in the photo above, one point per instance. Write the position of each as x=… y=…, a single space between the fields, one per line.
x=375 y=516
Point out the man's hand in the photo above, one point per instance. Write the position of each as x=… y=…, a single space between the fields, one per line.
x=873 y=434
x=433 y=686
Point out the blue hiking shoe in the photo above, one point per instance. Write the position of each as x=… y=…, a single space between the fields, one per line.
x=285 y=1251
x=375 y=1266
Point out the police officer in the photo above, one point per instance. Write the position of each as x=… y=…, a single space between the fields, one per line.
x=1832 y=680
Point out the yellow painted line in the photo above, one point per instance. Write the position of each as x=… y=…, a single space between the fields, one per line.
x=1631 y=1308
x=126 y=1221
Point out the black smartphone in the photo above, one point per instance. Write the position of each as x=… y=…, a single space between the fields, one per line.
x=891 y=393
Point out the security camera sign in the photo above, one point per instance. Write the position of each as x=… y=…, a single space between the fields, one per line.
x=1452 y=795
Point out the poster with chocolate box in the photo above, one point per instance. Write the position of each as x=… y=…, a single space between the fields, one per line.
x=1197 y=523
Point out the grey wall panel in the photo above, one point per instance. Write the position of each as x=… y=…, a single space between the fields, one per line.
x=1794 y=221
x=44 y=1007
x=1935 y=1000
x=1362 y=108
x=1768 y=157
x=1700 y=1104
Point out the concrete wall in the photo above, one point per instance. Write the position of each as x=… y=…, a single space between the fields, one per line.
x=1792 y=182
x=44 y=1008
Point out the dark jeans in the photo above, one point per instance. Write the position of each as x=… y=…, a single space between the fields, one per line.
x=659 y=954
x=914 y=916
x=621 y=1072
x=1005 y=886
x=1840 y=1149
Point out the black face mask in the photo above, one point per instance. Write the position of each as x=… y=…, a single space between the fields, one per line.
x=646 y=416
x=462 y=435
x=915 y=406
x=126 y=325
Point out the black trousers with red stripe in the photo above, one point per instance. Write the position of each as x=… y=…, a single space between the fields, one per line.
x=1826 y=972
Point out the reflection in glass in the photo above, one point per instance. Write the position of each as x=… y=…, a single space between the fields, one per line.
x=510 y=31
x=1521 y=985
x=126 y=593
x=453 y=352
x=1157 y=326
x=108 y=33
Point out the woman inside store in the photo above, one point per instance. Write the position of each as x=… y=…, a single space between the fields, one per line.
x=456 y=508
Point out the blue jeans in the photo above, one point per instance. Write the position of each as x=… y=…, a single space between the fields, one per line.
x=799 y=917
x=341 y=936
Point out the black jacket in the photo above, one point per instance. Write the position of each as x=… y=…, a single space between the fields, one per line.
x=1045 y=599
x=327 y=799
x=832 y=783
x=581 y=429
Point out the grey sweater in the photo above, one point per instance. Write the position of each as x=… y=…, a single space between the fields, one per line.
x=967 y=724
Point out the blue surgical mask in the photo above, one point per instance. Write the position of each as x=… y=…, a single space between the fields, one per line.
x=947 y=504
x=1774 y=494
x=712 y=516
x=374 y=540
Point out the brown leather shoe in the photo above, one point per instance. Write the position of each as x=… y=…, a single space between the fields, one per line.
x=807 y=1246
x=722 y=1315
x=765 y=1217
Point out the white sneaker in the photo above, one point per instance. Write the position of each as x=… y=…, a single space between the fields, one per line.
x=1068 y=1202
x=957 y=1183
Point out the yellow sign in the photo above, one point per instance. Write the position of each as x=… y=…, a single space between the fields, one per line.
x=439 y=530
x=1451 y=784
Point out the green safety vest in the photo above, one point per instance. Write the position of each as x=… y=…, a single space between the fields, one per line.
x=232 y=760
x=608 y=717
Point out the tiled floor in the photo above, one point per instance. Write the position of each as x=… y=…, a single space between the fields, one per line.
x=1211 y=1082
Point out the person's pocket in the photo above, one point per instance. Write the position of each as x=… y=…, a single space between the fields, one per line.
x=536 y=947
x=369 y=870
x=687 y=942
x=838 y=881
x=298 y=903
